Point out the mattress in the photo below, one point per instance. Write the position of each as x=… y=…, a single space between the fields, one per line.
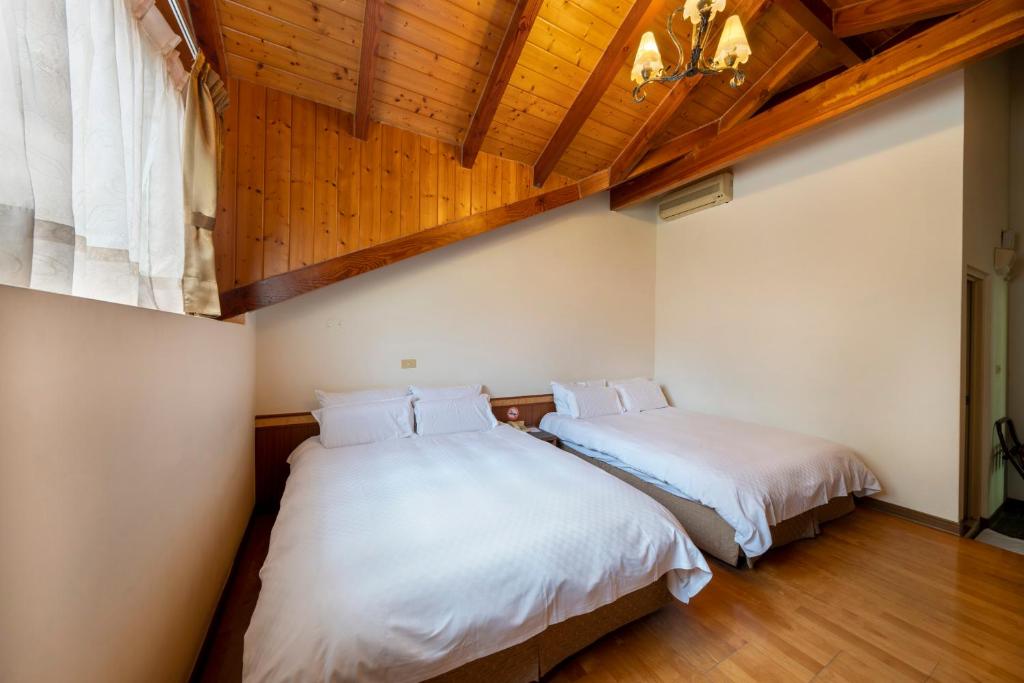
x=405 y=559
x=754 y=476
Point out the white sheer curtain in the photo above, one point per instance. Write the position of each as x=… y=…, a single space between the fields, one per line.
x=91 y=202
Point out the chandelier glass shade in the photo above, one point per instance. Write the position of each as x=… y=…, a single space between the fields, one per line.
x=733 y=49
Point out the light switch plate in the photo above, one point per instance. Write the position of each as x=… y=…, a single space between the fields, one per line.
x=408 y=363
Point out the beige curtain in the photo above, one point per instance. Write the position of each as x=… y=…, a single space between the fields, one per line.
x=91 y=200
x=204 y=100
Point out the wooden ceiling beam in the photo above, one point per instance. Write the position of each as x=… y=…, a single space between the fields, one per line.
x=641 y=14
x=752 y=99
x=523 y=17
x=907 y=32
x=372 y=17
x=874 y=15
x=795 y=90
x=974 y=34
x=676 y=147
x=750 y=11
x=770 y=83
x=285 y=286
x=799 y=12
x=206 y=24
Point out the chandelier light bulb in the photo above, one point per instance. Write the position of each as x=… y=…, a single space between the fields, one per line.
x=733 y=48
x=692 y=9
x=648 y=63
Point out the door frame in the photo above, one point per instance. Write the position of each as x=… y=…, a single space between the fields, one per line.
x=973 y=397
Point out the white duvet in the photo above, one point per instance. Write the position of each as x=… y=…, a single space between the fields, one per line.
x=753 y=476
x=401 y=560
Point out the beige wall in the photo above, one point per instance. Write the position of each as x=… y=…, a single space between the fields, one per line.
x=568 y=294
x=125 y=485
x=826 y=297
x=1015 y=359
x=986 y=216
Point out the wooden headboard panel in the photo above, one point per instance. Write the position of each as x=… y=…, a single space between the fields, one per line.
x=529 y=409
x=278 y=435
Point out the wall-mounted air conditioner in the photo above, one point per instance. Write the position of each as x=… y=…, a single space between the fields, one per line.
x=692 y=198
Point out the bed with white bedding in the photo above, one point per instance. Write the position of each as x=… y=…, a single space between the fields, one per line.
x=754 y=477
x=405 y=559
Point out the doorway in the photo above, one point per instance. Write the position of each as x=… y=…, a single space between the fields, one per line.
x=971 y=428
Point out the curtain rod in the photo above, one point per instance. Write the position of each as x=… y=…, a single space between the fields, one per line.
x=186 y=27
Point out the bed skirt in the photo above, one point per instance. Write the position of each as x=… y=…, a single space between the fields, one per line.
x=711 y=533
x=531 y=659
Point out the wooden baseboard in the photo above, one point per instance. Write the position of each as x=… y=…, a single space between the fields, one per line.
x=922 y=518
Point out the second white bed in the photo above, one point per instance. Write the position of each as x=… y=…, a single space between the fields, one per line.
x=404 y=559
x=753 y=476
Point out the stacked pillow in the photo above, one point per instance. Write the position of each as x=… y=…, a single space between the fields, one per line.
x=325 y=398
x=471 y=413
x=640 y=394
x=432 y=393
x=597 y=397
x=358 y=422
x=590 y=398
x=361 y=417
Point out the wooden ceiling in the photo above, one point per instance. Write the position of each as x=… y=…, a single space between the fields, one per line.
x=431 y=61
x=545 y=83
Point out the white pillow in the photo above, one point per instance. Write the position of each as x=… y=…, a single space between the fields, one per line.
x=350 y=424
x=432 y=393
x=326 y=398
x=560 y=391
x=641 y=395
x=451 y=415
x=587 y=402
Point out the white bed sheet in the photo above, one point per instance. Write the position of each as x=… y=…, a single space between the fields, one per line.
x=401 y=560
x=753 y=476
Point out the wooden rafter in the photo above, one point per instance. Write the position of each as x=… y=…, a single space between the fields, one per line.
x=677 y=147
x=905 y=34
x=873 y=15
x=973 y=34
x=810 y=22
x=774 y=79
x=519 y=27
x=746 y=106
x=367 y=67
x=206 y=25
x=615 y=55
x=750 y=11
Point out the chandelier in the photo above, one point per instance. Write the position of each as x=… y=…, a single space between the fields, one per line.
x=733 y=49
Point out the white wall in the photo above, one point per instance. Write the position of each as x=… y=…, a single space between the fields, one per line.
x=826 y=297
x=1015 y=359
x=125 y=485
x=567 y=294
x=986 y=216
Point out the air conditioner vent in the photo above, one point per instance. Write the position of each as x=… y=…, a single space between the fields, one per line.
x=692 y=198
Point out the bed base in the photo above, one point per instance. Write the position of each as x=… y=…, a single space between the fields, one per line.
x=530 y=660
x=711 y=533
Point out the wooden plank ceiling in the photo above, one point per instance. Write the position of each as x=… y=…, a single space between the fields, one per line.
x=540 y=85
x=435 y=56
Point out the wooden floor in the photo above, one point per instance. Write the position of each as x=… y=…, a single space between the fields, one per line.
x=874 y=598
